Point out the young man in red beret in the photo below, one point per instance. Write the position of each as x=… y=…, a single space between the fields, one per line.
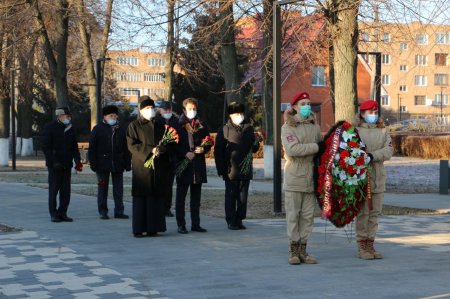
x=379 y=148
x=300 y=136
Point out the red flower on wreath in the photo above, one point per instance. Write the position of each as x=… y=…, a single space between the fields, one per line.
x=344 y=154
x=360 y=161
x=353 y=144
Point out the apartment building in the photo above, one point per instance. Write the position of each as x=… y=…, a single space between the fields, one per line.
x=138 y=73
x=415 y=68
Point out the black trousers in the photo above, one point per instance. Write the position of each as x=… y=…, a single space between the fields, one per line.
x=236 y=194
x=102 y=192
x=169 y=192
x=59 y=182
x=196 y=193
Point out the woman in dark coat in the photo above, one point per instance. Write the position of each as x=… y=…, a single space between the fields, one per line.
x=233 y=143
x=143 y=136
x=192 y=133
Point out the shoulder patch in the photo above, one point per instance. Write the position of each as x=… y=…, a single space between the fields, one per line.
x=290 y=138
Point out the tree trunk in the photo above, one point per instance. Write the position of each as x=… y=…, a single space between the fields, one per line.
x=228 y=56
x=344 y=34
x=56 y=55
x=5 y=86
x=85 y=37
x=170 y=50
x=267 y=58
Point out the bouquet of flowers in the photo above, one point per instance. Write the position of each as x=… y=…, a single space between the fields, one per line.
x=170 y=135
x=343 y=181
x=181 y=167
x=246 y=165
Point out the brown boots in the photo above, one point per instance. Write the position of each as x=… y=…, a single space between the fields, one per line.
x=293 y=253
x=366 y=250
x=298 y=254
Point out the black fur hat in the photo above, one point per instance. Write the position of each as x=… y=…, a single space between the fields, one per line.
x=236 y=107
x=110 y=110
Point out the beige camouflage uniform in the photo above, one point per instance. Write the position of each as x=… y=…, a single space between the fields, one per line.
x=378 y=143
x=299 y=137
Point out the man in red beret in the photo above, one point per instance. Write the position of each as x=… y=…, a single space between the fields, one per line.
x=379 y=148
x=300 y=136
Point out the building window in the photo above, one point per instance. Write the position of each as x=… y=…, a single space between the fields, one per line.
x=365 y=37
x=437 y=99
x=403 y=46
x=421 y=60
x=386 y=59
x=132 y=91
x=422 y=39
x=402 y=108
x=127 y=60
x=386 y=79
x=403 y=88
x=440 y=59
x=419 y=100
x=127 y=76
x=442 y=38
x=420 y=80
x=440 y=79
x=318 y=76
x=403 y=67
x=158 y=93
x=385 y=100
x=386 y=37
x=153 y=77
x=366 y=57
x=156 y=61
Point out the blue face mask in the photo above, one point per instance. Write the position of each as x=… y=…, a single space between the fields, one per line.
x=371 y=119
x=111 y=121
x=305 y=110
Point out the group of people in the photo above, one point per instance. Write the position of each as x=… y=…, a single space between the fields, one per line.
x=114 y=149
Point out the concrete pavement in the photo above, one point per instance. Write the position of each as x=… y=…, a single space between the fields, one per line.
x=93 y=258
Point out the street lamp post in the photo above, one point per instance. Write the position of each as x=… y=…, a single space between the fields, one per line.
x=442 y=100
x=13 y=119
x=98 y=69
x=399 y=103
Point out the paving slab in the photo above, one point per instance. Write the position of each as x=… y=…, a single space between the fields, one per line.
x=93 y=258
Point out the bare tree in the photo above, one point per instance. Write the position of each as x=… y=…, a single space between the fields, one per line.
x=170 y=49
x=55 y=50
x=86 y=32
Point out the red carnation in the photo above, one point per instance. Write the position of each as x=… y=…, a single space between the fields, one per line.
x=342 y=164
x=344 y=154
x=360 y=161
x=346 y=125
x=353 y=144
x=351 y=170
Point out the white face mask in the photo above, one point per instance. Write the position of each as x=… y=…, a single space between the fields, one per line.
x=237 y=119
x=148 y=114
x=191 y=114
x=111 y=121
x=66 y=121
x=167 y=115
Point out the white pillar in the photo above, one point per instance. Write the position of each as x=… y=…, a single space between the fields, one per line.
x=27 y=147
x=4 y=151
x=268 y=161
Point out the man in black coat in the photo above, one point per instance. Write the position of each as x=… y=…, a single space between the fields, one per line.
x=60 y=148
x=192 y=133
x=235 y=142
x=167 y=116
x=143 y=137
x=108 y=154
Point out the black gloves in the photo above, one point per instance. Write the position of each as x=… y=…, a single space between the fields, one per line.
x=161 y=149
x=322 y=146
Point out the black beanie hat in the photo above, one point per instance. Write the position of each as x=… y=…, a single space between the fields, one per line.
x=110 y=110
x=236 y=107
x=146 y=102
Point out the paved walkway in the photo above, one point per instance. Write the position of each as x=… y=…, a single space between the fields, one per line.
x=93 y=258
